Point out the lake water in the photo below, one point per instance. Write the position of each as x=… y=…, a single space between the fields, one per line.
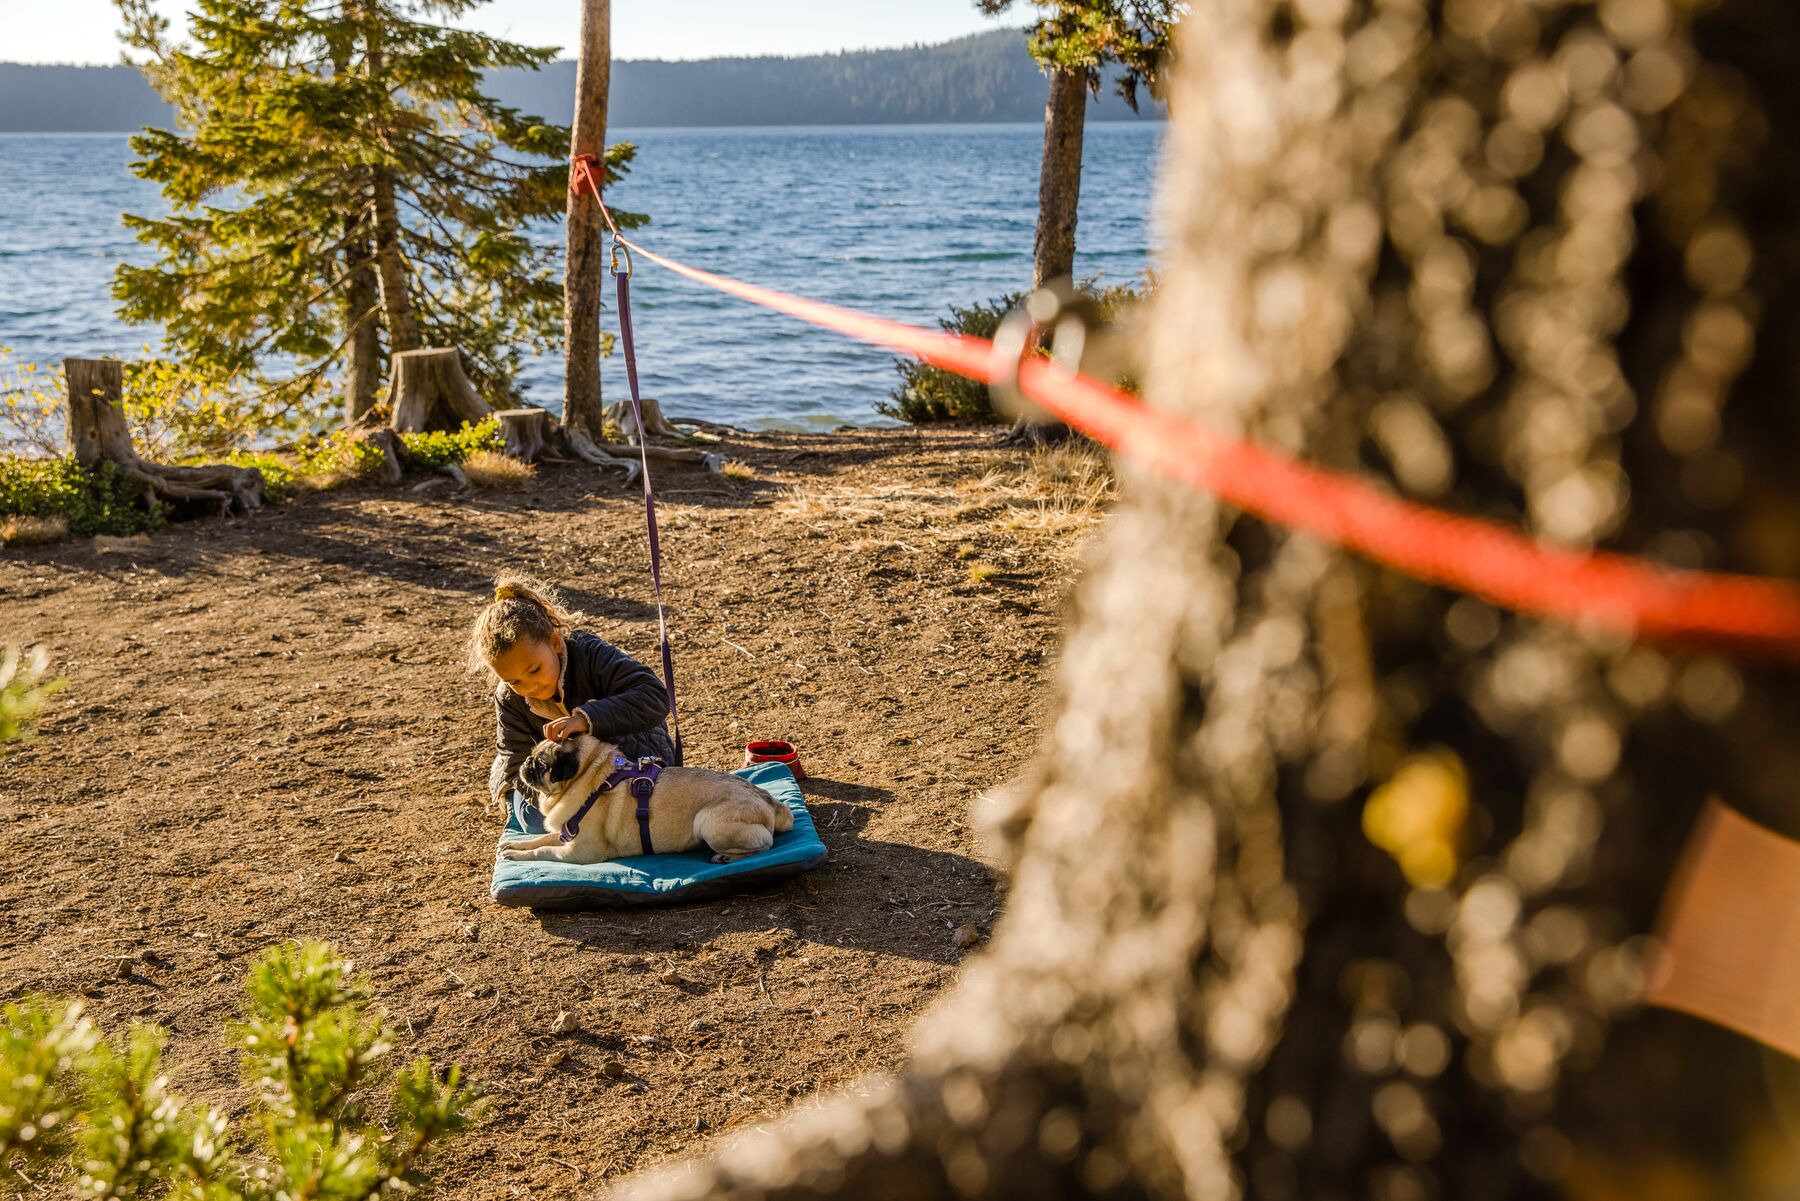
x=902 y=221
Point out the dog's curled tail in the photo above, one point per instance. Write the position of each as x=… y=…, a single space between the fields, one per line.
x=784 y=817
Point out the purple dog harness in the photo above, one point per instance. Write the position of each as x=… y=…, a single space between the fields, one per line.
x=642 y=776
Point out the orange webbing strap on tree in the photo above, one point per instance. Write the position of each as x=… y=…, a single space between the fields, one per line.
x=1482 y=558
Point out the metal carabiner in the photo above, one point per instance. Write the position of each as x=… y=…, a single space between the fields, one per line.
x=618 y=247
x=1069 y=316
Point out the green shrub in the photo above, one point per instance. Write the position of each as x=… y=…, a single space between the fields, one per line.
x=312 y=1048
x=335 y=459
x=439 y=448
x=927 y=394
x=105 y=501
x=179 y=413
x=175 y=413
x=277 y=472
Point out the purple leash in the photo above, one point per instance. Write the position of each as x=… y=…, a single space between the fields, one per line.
x=637 y=409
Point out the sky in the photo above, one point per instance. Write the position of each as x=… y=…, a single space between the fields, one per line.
x=84 y=31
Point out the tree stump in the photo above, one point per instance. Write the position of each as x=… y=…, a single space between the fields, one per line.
x=620 y=414
x=98 y=432
x=524 y=432
x=431 y=392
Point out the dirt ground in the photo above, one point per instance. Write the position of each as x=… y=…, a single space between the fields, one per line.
x=268 y=735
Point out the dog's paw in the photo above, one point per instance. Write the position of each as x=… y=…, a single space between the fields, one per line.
x=514 y=853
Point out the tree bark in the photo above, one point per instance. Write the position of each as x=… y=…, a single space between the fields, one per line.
x=390 y=266
x=659 y=426
x=98 y=434
x=1059 y=177
x=582 y=282
x=362 y=313
x=391 y=272
x=430 y=391
x=523 y=431
x=362 y=293
x=1209 y=981
x=1059 y=201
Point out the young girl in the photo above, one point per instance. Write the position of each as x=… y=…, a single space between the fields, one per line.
x=555 y=681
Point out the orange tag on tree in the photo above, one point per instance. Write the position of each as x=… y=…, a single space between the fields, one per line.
x=1730 y=937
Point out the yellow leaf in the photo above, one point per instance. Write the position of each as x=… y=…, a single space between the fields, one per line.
x=1418 y=816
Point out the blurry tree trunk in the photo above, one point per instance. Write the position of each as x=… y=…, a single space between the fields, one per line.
x=98 y=434
x=582 y=409
x=1059 y=201
x=1209 y=983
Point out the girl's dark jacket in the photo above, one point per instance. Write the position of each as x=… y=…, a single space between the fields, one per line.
x=624 y=701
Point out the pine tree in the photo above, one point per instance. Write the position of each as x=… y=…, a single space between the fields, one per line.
x=312 y=1047
x=1074 y=41
x=343 y=189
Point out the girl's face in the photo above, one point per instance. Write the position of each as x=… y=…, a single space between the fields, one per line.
x=531 y=668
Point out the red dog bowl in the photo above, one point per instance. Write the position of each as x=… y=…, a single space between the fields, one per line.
x=774 y=750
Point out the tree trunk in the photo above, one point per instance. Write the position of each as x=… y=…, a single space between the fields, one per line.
x=362 y=293
x=1209 y=982
x=1059 y=200
x=1059 y=177
x=362 y=313
x=431 y=392
x=585 y=274
x=98 y=434
x=390 y=260
x=390 y=266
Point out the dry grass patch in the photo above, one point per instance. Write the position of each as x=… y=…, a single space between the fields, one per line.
x=490 y=469
x=738 y=471
x=1056 y=488
x=858 y=506
x=28 y=531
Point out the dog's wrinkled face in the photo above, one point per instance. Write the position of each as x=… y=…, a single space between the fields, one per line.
x=553 y=764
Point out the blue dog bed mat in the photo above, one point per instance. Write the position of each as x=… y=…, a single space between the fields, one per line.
x=661 y=879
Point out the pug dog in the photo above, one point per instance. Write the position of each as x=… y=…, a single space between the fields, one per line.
x=689 y=806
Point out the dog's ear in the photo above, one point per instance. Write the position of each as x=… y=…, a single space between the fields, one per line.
x=566 y=765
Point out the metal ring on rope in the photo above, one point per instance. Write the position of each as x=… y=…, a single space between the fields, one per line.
x=1058 y=309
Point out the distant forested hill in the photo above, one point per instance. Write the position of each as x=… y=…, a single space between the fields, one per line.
x=986 y=77
x=47 y=99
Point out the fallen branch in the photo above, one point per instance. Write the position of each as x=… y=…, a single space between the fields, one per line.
x=601 y=457
x=711 y=460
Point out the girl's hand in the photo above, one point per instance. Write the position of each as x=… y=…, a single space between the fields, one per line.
x=567 y=727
